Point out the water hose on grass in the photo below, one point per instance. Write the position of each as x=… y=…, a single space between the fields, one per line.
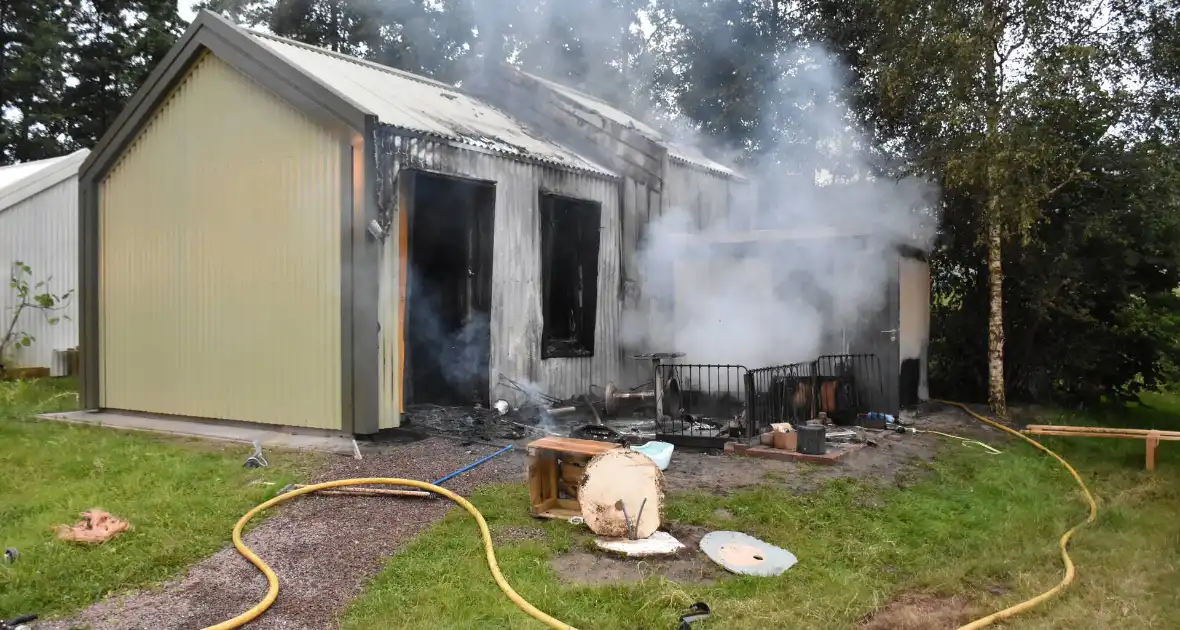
x=272 y=581
x=1067 y=579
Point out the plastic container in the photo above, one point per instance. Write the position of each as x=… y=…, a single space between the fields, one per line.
x=659 y=452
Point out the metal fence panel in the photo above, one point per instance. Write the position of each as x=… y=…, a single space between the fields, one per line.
x=699 y=405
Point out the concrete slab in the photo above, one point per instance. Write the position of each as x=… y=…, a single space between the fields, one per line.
x=268 y=436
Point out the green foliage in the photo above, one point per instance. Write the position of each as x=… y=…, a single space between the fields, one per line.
x=28 y=298
x=34 y=48
x=68 y=66
x=1038 y=116
x=1090 y=296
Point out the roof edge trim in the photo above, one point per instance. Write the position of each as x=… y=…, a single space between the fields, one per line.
x=599 y=171
x=42 y=180
x=212 y=32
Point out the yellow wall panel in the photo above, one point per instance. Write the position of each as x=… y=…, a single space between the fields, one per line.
x=220 y=259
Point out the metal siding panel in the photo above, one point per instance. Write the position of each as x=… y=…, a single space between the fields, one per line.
x=516 y=273
x=42 y=232
x=220 y=260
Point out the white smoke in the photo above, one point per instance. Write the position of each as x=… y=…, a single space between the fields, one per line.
x=777 y=300
x=804 y=266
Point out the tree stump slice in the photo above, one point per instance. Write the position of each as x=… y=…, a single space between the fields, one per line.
x=626 y=476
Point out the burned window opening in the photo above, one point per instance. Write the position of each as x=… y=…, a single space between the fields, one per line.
x=569 y=275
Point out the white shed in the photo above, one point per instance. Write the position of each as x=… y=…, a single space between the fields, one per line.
x=39 y=227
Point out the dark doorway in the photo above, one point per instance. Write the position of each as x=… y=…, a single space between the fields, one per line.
x=569 y=275
x=448 y=290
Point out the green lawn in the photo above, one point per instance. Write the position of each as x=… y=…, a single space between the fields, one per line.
x=980 y=527
x=182 y=498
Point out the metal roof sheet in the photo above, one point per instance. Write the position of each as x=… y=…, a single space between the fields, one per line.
x=408 y=101
x=14 y=173
x=21 y=181
x=676 y=150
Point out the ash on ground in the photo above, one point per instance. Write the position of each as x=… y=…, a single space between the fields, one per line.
x=528 y=422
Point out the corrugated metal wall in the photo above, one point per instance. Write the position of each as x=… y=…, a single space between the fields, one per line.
x=703 y=194
x=42 y=232
x=220 y=250
x=516 y=319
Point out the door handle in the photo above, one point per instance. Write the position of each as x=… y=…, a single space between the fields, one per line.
x=892 y=334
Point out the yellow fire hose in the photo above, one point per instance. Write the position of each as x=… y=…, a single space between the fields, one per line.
x=272 y=581
x=272 y=591
x=1063 y=543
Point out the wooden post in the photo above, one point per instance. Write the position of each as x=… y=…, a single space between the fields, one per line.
x=1153 y=443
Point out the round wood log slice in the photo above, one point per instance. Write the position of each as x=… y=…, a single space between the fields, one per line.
x=618 y=480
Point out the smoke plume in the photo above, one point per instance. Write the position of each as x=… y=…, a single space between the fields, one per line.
x=810 y=250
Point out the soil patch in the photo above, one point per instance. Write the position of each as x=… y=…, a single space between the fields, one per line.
x=323 y=548
x=919 y=612
x=689 y=566
x=593 y=569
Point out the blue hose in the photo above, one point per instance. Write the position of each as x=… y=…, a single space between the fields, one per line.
x=468 y=467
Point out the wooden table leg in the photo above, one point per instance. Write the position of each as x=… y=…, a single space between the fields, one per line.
x=1153 y=443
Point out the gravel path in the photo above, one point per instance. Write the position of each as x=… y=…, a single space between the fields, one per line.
x=323 y=549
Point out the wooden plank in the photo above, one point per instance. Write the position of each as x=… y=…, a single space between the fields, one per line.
x=1053 y=427
x=24 y=374
x=563 y=514
x=572 y=445
x=569 y=504
x=536 y=481
x=571 y=473
x=550 y=472
x=1153 y=444
x=1120 y=436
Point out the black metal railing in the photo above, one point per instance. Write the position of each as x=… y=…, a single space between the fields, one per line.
x=847 y=385
x=781 y=393
x=704 y=406
x=839 y=385
x=700 y=405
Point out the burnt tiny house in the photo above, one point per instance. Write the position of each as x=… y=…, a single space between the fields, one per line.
x=275 y=233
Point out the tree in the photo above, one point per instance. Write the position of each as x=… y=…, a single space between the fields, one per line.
x=114 y=46
x=420 y=36
x=33 y=48
x=67 y=67
x=1001 y=99
x=35 y=298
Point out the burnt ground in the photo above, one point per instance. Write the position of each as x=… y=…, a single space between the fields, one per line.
x=889 y=462
x=894 y=460
x=322 y=548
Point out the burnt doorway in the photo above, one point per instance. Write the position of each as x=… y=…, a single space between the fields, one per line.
x=448 y=289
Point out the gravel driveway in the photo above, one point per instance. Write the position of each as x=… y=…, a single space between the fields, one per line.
x=323 y=549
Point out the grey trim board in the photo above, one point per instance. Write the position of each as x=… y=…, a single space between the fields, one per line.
x=213 y=33
x=348 y=166
x=364 y=271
